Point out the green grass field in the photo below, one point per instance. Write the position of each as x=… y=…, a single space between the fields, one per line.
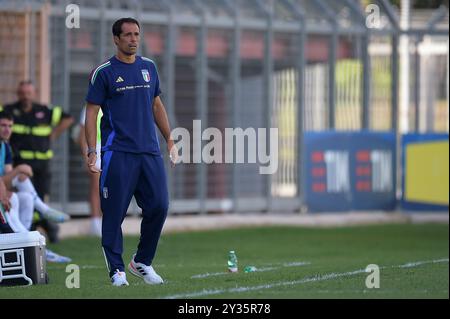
x=293 y=263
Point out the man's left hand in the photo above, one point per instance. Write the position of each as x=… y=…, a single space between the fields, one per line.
x=173 y=153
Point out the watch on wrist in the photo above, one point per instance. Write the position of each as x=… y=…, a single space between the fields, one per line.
x=91 y=150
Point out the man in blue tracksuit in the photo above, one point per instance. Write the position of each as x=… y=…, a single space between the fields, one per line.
x=126 y=88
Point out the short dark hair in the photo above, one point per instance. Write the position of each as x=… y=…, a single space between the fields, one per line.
x=6 y=115
x=117 y=26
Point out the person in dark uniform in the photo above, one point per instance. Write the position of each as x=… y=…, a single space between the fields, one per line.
x=35 y=127
x=126 y=89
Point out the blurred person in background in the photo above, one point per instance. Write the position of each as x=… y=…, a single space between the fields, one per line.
x=94 y=179
x=18 y=207
x=5 y=204
x=36 y=126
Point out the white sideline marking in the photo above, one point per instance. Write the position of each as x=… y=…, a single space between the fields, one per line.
x=296 y=264
x=208 y=275
x=262 y=269
x=418 y=263
x=92 y=267
x=206 y=292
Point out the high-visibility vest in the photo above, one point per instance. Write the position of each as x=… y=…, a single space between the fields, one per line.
x=31 y=132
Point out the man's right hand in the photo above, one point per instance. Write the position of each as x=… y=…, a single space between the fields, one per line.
x=6 y=204
x=91 y=159
x=24 y=169
x=4 y=196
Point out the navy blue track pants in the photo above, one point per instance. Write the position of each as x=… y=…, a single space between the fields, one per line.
x=124 y=175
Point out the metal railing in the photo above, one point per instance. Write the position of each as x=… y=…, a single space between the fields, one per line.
x=298 y=65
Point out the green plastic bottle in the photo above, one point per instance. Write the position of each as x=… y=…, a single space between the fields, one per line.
x=232 y=262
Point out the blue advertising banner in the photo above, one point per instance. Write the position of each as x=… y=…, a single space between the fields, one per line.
x=349 y=171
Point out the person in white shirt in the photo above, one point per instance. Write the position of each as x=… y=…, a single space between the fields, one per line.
x=94 y=197
x=17 y=207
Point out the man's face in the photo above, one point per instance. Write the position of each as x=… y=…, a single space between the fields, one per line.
x=128 y=41
x=5 y=129
x=25 y=93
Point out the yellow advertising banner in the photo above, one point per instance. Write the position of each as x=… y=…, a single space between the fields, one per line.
x=427 y=173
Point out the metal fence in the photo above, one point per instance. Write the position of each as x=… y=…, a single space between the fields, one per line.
x=298 y=65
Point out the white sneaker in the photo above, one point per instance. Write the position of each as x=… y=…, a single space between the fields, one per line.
x=53 y=257
x=55 y=215
x=145 y=272
x=119 y=279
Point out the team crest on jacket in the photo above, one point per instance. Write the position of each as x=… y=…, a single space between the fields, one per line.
x=146 y=75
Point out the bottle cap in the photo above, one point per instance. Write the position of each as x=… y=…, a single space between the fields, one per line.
x=250 y=269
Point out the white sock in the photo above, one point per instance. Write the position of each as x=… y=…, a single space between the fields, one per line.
x=26 y=208
x=12 y=216
x=96 y=225
x=27 y=186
